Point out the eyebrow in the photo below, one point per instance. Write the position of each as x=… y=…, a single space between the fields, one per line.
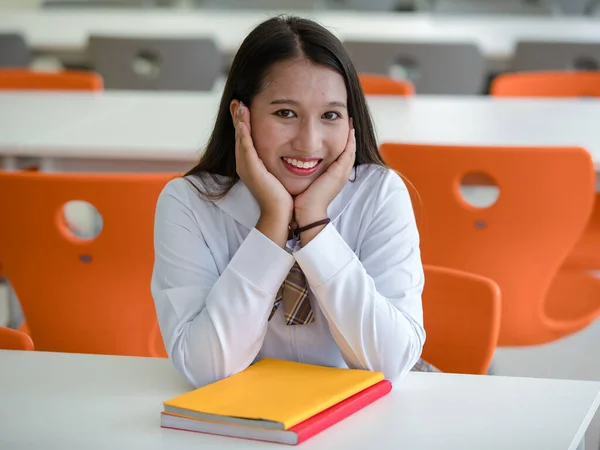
x=287 y=101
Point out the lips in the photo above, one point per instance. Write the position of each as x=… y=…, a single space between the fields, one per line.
x=301 y=166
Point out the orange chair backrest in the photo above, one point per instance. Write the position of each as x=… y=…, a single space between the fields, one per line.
x=461 y=312
x=546 y=84
x=14 y=340
x=83 y=296
x=585 y=255
x=67 y=80
x=374 y=84
x=545 y=200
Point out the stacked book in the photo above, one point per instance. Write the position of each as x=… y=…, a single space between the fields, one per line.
x=275 y=401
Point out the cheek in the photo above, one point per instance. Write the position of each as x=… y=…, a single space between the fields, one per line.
x=337 y=143
x=267 y=138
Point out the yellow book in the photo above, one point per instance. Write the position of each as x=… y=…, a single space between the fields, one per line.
x=272 y=394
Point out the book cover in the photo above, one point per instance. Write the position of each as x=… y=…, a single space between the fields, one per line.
x=295 y=435
x=272 y=394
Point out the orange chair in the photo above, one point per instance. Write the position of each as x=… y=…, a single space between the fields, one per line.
x=546 y=84
x=586 y=254
x=83 y=296
x=24 y=79
x=521 y=240
x=574 y=277
x=14 y=340
x=65 y=80
x=461 y=312
x=373 y=84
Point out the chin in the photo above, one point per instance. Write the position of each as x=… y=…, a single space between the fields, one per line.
x=296 y=188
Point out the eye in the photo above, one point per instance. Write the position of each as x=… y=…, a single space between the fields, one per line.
x=285 y=113
x=332 y=115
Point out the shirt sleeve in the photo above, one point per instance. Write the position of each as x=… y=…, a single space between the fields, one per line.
x=372 y=303
x=213 y=325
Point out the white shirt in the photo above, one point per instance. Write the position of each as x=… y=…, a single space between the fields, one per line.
x=216 y=277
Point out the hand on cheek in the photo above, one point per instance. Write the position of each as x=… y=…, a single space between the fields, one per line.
x=276 y=204
x=311 y=205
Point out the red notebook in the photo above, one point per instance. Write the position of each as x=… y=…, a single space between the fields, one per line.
x=294 y=435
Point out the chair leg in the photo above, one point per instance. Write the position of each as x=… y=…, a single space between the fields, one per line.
x=15 y=311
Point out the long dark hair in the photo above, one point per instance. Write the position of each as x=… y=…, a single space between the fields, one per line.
x=278 y=39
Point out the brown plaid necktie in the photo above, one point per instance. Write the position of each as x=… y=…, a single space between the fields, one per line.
x=294 y=294
x=424 y=366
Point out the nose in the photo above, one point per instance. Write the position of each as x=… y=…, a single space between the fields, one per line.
x=309 y=137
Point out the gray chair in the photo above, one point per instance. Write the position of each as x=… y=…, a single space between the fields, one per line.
x=592 y=8
x=13 y=51
x=98 y=4
x=362 y=5
x=449 y=68
x=511 y=7
x=574 y=7
x=188 y=64
x=262 y=4
x=540 y=55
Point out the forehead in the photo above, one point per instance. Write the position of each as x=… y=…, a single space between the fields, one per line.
x=303 y=81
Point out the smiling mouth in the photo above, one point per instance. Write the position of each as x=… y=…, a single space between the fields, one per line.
x=302 y=164
x=299 y=167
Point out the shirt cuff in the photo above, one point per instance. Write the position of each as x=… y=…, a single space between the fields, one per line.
x=262 y=262
x=324 y=256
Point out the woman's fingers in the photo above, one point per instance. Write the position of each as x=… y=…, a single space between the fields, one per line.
x=246 y=155
x=345 y=161
x=245 y=141
x=241 y=131
x=236 y=126
x=350 y=150
x=245 y=115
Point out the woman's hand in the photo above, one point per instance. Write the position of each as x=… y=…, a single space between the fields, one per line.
x=311 y=205
x=276 y=204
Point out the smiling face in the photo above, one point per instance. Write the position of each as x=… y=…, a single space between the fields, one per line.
x=299 y=122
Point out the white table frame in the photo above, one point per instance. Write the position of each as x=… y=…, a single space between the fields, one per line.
x=166 y=131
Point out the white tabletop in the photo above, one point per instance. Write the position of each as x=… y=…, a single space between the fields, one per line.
x=160 y=127
x=52 y=400
x=64 y=29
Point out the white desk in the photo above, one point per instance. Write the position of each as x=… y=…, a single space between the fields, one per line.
x=166 y=131
x=52 y=400
x=67 y=30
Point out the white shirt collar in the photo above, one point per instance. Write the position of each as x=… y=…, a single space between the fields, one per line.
x=240 y=205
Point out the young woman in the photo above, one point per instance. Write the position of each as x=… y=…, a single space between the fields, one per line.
x=290 y=239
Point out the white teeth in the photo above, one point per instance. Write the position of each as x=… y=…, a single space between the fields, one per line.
x=301 y=164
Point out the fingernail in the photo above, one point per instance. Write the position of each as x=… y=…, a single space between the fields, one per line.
x=240 y=109
x=353 y=132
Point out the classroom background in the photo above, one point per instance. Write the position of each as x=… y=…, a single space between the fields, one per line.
x=487 y=89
